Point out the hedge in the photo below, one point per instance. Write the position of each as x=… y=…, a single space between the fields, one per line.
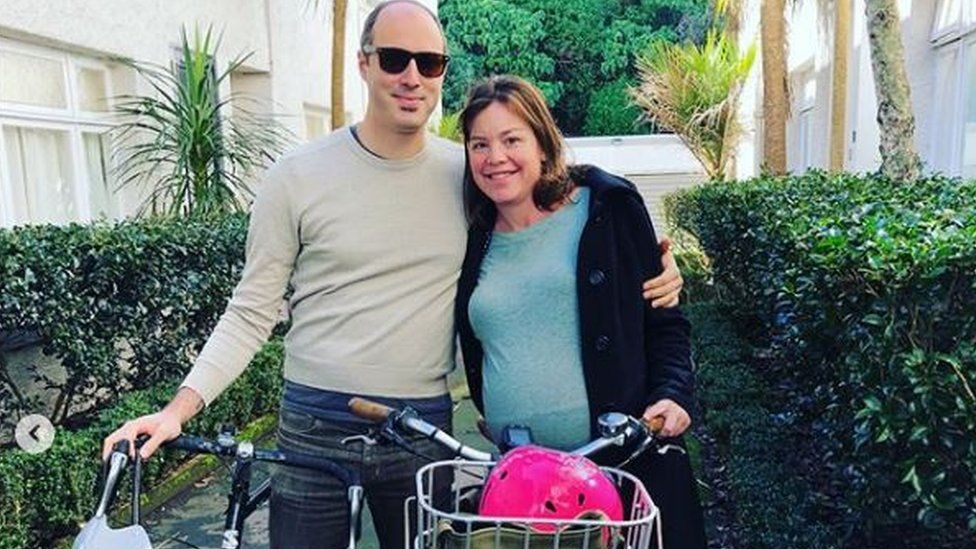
x=863 y=291
x=47 y=496
x=771 y=505
x=145 y=293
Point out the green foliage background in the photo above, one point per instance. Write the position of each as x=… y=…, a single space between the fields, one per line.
x=860 y=293
x=144 y=293
x=579 y=52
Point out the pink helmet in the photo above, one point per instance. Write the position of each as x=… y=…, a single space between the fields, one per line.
x=534 y=482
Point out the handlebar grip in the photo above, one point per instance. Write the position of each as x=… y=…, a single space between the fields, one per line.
x=654 y=425
x=369 y=410
x=191 y=444
x=121 y=447
x=348 y=478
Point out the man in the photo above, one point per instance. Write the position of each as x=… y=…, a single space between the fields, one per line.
x=367 y=227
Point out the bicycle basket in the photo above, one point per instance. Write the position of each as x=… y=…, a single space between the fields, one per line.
x=444 y=522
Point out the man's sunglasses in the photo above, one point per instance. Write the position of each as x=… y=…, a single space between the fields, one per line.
x=396 y=60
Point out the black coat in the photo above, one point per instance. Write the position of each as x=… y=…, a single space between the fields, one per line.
x=633 y=355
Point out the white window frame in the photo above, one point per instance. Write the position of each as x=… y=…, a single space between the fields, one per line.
x=317 y=110
x=949 y=129
x=959 y=36
x=960 y=22
x=70 y=119
x=804 y=92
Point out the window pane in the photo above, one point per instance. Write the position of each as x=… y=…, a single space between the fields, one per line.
x=32 y=80
x=945 y=141
x=41 y=180
x=92 y=90
x=102 y=197
x=313 y=126
x=318 y=121
x=947 y=19
x=969 y=121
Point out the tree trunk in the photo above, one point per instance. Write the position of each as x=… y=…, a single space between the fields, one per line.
x=775 y=94
x=338 y=63
x=731 y=11
x=838 y=92
x=899 y=159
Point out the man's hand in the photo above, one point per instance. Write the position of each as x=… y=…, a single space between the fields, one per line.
x=676 y=419
x=162 y=426
x=664 y=290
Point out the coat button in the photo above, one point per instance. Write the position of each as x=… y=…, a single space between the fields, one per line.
x=602 y=343
x=597 y=277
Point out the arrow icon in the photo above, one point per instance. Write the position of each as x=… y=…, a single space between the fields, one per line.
x=34 y=433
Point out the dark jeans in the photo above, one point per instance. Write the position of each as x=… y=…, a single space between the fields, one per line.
x=311 y=509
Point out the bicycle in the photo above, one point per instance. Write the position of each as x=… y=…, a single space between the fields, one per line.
x=458 y=524
x=242 y=502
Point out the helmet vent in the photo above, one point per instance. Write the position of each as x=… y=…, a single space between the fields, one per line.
x=550 y=506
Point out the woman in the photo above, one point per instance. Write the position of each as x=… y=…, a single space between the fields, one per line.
x=553 y=327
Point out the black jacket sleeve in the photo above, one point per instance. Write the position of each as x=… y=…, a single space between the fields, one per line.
x=667 y=333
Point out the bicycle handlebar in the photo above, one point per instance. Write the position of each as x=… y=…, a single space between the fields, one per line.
x=407 y=420
x=369 y=410
x=199 y=445
x=654 y=425
x=615 y=430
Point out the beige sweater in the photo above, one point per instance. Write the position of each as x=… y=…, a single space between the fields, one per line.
x=372 y=249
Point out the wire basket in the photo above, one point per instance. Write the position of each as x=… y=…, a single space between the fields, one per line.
x=445 y=514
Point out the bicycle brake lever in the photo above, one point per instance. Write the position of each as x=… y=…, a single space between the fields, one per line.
x=665 y=448
x=366 y=439
x=641 y=448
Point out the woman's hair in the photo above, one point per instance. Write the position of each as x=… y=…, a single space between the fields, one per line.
x=525 y=101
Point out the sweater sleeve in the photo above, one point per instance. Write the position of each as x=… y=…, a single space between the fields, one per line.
x=253 y=311
x=667 y=333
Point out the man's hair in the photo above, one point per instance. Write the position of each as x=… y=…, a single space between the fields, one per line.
x=366 y=38
x=524 y=100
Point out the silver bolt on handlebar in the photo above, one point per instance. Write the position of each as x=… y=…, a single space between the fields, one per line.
x=612 y=424
x=245 y=450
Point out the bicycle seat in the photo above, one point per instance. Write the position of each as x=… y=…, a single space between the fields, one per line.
x=98 y=535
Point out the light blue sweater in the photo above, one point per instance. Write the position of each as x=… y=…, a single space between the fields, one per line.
x=525 y=313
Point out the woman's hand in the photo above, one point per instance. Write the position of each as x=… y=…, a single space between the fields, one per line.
x=676 y=419
x=664 y=289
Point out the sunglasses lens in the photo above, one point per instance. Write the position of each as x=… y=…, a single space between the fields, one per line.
x=393 y=60
x=431 y=65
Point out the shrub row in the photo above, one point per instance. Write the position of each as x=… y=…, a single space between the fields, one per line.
x=47 y=496
x=863 y=290
x=145 y=293
x=772 y=506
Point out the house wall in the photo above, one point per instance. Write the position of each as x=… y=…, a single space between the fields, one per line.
x=809 y=63
x=289 y=68
x=657 y=164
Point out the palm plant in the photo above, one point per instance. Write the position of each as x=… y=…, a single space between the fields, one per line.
x=449 y=127
x=694 y=91
x=180 y=144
